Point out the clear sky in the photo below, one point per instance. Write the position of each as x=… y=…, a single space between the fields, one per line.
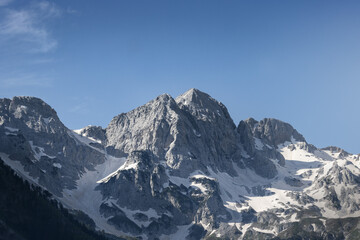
x=298 y=61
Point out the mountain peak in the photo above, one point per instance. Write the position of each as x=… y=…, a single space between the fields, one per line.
x=23 y=103
x=159 y=102
x=164 y=97
x=143 y=127
x=184 y=168
x=202 y=105
x=29 y=108
x=194 y=96
x=334 y=149
x=95 y=133
x=194 y=91
x=274 y=130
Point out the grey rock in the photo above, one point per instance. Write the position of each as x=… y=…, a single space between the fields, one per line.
x=47 y=149
x=145 y=188
x=186 y=132
x=334 y=149
x=294 y=182
x=259 y=157
x=141 y=217
x=248 y=215
x=166 y=141
x=119 y=220
x=196 y=232
x=95 y=132
x=300 y=197
x=274 y=131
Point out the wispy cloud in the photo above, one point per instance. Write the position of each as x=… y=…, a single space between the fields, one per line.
x=5 y=2
x=70 y=10
x=28 y=26
x=27 y=80
x=79 y=108
x=81 y=105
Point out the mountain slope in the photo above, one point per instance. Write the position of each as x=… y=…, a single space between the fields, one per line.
x=27 y=212
x=48 y=153
x=180 y=168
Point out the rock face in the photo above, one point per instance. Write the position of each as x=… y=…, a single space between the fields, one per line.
x=180 y=168
x=147 y=188
x=260 y=140
x=336 y=150
x=272 y=131
x=32 y=134
x=213 y=128
x=93 y=132
x=191 y=133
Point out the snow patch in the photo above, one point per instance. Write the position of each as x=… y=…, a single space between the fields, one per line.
x=181 y=234
x=57 y=165
x=18 y=168
x=258 y=144
x=87 y=199
x=244 y=154
x=266 y=231
x=76 y=134
x=196 y=133
x=10 y=134
x=12 y=129
x=47 y=120
x=39 y=152
x=150 y=213
x=268 y=146
x=123 y=166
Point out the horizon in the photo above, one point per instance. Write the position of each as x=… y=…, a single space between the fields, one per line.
x=292 y=61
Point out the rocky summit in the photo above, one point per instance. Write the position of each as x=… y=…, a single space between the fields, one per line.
x=182 y=169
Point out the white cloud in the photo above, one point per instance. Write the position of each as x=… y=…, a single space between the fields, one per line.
x=70 y=10
x=79 y=108
x=28 y=26
x=48 y=9
x=5 y=2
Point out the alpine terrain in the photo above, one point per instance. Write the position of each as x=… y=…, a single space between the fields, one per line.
x=182 y=169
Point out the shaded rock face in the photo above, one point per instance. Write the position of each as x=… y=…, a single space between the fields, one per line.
x=31 y=132
x=261 y=140
x=261 y=146
x=214 y=129
x=146 y=186
x=294 y=182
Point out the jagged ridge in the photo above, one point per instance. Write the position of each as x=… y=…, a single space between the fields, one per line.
x=180 y=165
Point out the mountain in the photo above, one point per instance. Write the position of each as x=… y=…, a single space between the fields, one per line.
x=48 y=153
x=29 y=212
x=181 y=169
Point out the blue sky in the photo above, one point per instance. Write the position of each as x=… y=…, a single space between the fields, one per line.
x=298 y=61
